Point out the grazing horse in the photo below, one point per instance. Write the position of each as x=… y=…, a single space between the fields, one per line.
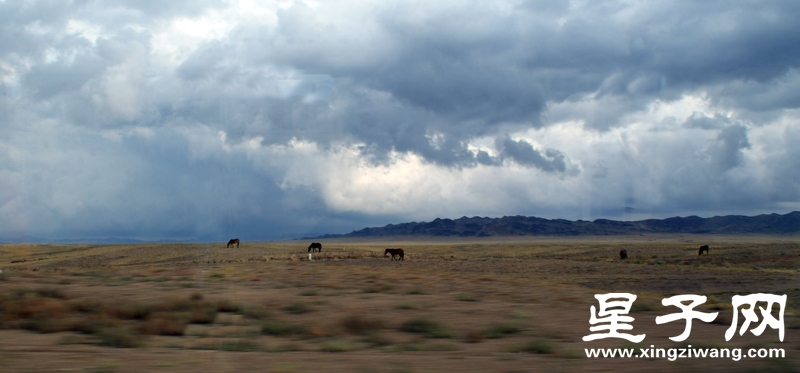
x=702 y=248
x=623 y=254
x=232 y=242
x=395 y=252
x=315 y=246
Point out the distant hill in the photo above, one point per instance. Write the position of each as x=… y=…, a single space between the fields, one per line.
x=533 y=226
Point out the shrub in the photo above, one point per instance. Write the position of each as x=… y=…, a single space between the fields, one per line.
x=241 y=345
x=358 y=324
x=45 y=324
x=166 y=323
x=37 y=313
x=378 y=288
x=424 y=346
x=86 y=306
x=502 y=330
x=419 y=326
x=377 y=339
x=338 y=345
x=225 y=305
x=174 y=305
x=120 y=337
x=467 y=297
x=426 y=327
x=256 y=312
x=47 y=293
x=128 y=312
x=282 y=329
x=536 y=346
x=46 y=308
x=93 y=324
x=309 y=292
x=298 y=308
x=203 y=314
x=642 y=306
x=408 y=306
x=473 y=337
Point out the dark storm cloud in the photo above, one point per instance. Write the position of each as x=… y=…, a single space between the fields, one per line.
x=202 y=64
x=522 y=152
x=476 y=68
x=476 y=71
x=762 y=96
x=438 y=63
x=726 y=152
x=151 y=186
x=700 y=120
x=784 y=166
x=45 y=81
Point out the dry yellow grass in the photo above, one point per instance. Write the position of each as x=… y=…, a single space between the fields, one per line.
x=496 y=304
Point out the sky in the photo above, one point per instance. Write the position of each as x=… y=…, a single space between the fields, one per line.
x=207 y=120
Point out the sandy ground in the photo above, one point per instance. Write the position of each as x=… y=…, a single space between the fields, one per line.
x=516 y=304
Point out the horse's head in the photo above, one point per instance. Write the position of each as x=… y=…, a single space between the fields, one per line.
x=388 y=251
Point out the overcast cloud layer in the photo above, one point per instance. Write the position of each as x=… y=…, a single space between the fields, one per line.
x=205 y=120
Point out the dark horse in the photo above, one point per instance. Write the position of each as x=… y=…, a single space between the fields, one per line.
x=395 y=252
x=315 y=246
x=702 y=248
x=623 y=254
x=232 y=242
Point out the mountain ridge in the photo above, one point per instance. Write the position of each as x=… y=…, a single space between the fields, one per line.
x=534 y=226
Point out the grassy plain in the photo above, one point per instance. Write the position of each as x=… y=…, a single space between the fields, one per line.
x=518 y=304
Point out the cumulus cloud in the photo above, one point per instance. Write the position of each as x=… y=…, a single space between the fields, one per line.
x=726 y=152
x=524 y=153
x=204 y=119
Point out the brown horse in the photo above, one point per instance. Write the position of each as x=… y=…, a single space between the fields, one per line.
x=315 y=246
x=232 y=242
x=623 y=254
x=395 y=252
x=702 y=248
